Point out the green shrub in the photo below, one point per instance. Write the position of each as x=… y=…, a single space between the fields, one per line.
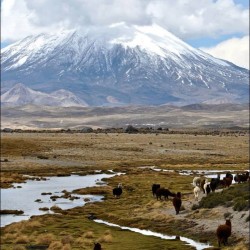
x=236 y=196
x=240 y=205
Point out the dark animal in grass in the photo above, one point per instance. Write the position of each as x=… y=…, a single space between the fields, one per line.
x=163 y=192
x=208 y=189
x=223 y=232
x=177 y=202
x=154 y=188
x=97 y=246
x=117 y=191
x=229 y=175
x=214 y=183
x=227 y=181
x=241 y=177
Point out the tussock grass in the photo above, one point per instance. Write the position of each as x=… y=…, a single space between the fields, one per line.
x=136 y=207
x=106 y=238
x=22 y=239
x=56 y=209
x=67 y=239
x=45 y=239
x=89 y=235
x=55 y=245
x=19 y=247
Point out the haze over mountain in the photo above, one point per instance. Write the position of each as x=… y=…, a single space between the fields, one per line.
x=123 y=65
x=20 y=95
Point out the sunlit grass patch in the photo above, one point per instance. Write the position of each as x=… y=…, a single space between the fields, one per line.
x=22 y=239
x=45 y=239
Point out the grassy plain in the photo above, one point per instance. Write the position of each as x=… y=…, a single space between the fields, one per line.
x=55 y=154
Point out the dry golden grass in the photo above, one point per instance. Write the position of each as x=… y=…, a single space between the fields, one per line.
x=67 y=247
x=22 y=239
x=89 y=235
x=84 y=153
x=108 y=238
x=67 y=239
x=55 y=245
x=106 y=151
x=18 y=247
x=9 y=237
x=45 y=239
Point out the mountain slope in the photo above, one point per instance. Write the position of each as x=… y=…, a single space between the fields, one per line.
x=20 y=95
x=123 y=65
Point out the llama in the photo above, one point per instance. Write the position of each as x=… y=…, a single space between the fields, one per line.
x=163 y=192
x=154 y=188
x=197 y=181
x=197 y=191
x=177 y=202
x=215 y=183
x=241 y=177
x=223 y=232
x=118 y=190
x=97 y=246
x=227 y=181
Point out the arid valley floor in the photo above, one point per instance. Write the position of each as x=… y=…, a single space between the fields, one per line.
x=59 y=154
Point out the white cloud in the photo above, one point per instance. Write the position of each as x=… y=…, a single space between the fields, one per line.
x=185 y=18
x=235 y=50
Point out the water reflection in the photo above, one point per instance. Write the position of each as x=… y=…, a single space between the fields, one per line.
x=24 y=198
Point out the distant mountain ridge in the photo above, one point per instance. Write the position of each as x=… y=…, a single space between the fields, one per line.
x=123 y=65
x=21 y=95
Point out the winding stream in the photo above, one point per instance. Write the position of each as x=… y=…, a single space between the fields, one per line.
x=24 y=199
x=197 y=245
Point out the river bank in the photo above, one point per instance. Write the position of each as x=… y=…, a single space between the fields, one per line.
x=45 y=155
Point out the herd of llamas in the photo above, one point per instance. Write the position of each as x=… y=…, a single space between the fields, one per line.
x=200 y=184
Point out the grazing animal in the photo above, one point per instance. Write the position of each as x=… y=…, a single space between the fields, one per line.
x=197 y=191
x=177 y=202
x=118 y=190
x=97 y=246
x=197 y=181
x=207 y=187
x=229 y=175
x=223 y=232
x=227 y=181
x=241 y=177
x=163 y=192
x=214 y=183
x=154 y=188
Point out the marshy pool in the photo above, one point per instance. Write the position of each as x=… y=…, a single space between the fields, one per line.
x=24 y=197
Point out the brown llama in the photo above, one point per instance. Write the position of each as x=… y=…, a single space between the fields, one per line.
x=223 y=232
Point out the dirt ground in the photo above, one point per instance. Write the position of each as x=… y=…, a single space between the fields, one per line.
x=207 y=220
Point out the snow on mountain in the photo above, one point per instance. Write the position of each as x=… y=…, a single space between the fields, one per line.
x=120 y=65
x=20 y=95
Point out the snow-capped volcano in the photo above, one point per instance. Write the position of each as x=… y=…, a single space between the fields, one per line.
x=20 y=95
x=123 y=64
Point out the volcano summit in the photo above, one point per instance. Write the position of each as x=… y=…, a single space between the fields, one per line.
x=123 y=65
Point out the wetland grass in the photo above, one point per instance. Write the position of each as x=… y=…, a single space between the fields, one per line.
x=85 y=153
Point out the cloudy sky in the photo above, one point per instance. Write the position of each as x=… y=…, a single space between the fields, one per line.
x=219 y=27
